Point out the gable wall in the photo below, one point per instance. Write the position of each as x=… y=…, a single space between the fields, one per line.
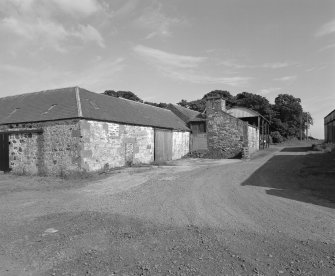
x=55 y=151
x=226 y=135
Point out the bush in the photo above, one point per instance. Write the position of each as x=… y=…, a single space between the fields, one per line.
x=276 y=137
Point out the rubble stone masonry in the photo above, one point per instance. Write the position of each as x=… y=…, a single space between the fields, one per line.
x=62 y=147
x=114 y=145
x=226 y=135
x=54 y=151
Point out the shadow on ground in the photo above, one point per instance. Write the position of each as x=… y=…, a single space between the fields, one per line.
x=296 y=149
x=299 y=175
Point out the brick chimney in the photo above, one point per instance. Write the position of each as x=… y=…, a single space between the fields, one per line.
x=215 y=104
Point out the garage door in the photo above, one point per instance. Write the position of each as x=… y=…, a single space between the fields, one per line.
x=163 y=145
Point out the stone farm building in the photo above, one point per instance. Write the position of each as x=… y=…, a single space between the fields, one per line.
x=224 y=132
x=71 y=129
x=329 y=122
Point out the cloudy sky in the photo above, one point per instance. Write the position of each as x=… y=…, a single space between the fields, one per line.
x=172 y=50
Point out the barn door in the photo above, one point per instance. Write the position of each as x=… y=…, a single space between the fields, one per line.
x=163 y=145
x=4 y=152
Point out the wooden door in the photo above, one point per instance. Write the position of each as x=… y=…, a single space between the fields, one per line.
x=163 y=145
x=4 y=152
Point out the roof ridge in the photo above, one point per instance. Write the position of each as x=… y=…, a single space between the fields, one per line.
x=131 y=101
x=80 y=112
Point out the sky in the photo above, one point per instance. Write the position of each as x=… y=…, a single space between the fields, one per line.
x=165 y=51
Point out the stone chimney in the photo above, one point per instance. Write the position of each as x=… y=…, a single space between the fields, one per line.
x=215 y=104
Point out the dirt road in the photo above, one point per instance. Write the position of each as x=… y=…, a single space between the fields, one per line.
x=266 y=216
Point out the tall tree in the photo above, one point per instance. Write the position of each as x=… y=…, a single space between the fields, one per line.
x=255 y=102
x=289 y=114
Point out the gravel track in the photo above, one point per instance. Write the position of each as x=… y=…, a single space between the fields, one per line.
x=194 y=217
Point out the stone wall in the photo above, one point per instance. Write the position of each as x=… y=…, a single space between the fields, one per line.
x=226 y=135
x=107 y=145
x=180 y=144
x=53 y=152
x=70 y=146
x=253 y=138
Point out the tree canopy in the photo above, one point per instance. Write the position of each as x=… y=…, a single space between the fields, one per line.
x=286 y=115
x=123 y=94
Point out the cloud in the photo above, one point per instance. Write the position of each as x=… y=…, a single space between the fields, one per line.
x=88 y=33
x=184 y=68
x=330 y=46
x=206 y=79
x=49 y=33
x=158 y=24
x=276 y=65
x=98 y=74
x=159 y=57
x=316 y=68
x=84 y=7
x=326 y=29
x=73 y=7
x=286 y=78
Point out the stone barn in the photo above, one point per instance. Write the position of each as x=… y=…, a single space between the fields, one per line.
x=224 y=132
x=69 y=130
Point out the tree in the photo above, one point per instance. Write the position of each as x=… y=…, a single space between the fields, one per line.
x=200 y=105
x=123 y=94
x=161 y=105
x=255 y=102
x=290 y=115
x=224 y=94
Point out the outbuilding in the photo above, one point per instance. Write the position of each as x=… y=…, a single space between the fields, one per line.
x=329 y=122
x=225 y=132
x=68 y=130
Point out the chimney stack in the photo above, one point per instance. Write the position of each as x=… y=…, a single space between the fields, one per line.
x=215 y=103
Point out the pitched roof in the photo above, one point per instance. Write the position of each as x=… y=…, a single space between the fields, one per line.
x=186 y=114
x=243 y=112
x=74 y=102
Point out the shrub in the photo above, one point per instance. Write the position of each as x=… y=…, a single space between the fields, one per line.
x=276 y=137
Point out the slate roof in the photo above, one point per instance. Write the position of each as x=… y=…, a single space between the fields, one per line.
x=75 y=102
x=186 y=114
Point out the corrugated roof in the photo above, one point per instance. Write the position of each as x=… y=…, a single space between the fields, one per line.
x=76 y=102
x=243 y=112
x=186 y=114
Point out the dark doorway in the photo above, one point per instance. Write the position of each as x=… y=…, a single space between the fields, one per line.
x=4 y=152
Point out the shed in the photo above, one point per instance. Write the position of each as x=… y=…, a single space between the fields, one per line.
x=329 y=122
x=72 y=129
x=255 y=119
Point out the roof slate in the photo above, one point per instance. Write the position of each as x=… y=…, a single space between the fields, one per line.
x=186 y=114
x=65 y=103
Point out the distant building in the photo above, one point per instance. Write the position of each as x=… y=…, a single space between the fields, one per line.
x=71 y=129
x=329 y=121
x=224 y=131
